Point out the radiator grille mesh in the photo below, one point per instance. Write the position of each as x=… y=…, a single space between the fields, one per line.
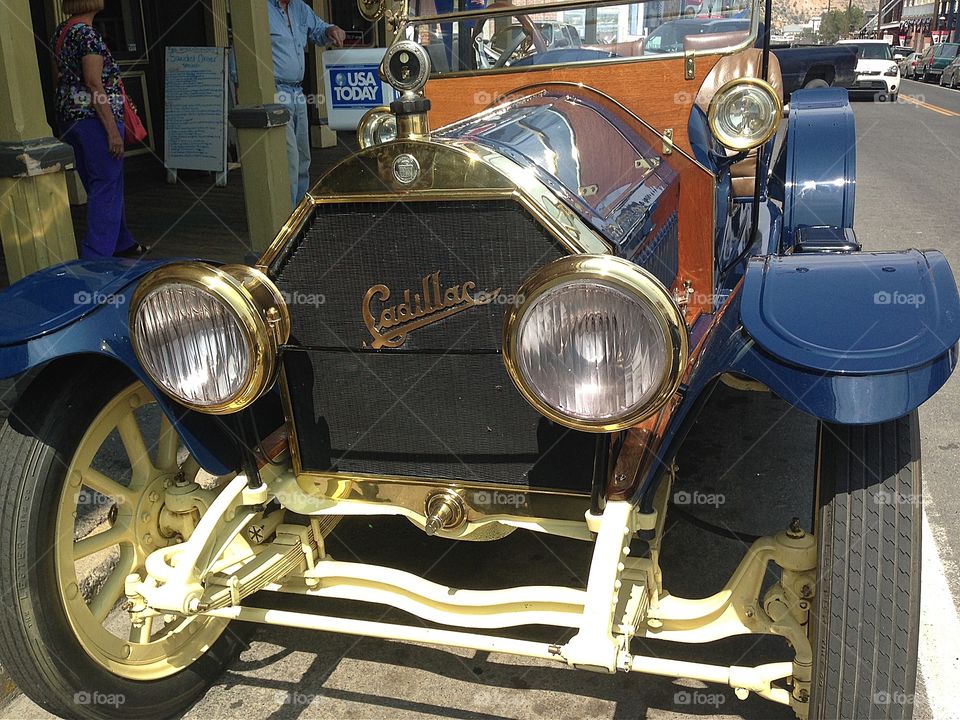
x=441 y=405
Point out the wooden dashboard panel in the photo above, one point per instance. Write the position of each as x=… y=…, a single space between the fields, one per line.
x=656 y=91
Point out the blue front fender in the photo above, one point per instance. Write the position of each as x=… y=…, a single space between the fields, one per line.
x=81 y=309
x=855 y=339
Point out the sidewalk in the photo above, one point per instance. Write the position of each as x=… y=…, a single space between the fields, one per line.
x=193 y=218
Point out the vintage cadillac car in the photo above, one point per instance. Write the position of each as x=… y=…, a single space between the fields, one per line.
x=525 y=284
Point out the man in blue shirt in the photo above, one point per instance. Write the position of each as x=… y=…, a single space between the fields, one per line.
x=292 y=24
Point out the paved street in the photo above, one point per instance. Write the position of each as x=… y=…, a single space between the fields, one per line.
x=751 y=450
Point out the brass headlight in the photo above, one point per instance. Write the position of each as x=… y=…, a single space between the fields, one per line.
x=377 y=126
x=745 y=113
x=207 y=336
x=595 y=343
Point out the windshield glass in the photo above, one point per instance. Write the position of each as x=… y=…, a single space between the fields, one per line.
x=478 y=35
x=950 y=51
x=873 y=51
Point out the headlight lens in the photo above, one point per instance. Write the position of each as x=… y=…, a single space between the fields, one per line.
x=209 y=336
x=377 y=126
x=745 y=113
x=892 y=71
x=596 y=343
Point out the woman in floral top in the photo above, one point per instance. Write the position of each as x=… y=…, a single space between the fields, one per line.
x=90 y=116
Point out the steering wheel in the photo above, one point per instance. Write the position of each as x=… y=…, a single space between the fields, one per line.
x=512 y=49
x=531 y=34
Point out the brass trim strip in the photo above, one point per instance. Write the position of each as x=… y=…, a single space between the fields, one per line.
x=454 y=162
x=294 y=225
x=436 y=483
x=482 y=502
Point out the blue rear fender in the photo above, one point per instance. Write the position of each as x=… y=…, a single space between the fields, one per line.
x=63 y=316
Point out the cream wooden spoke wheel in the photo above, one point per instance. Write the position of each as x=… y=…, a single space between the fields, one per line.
x=87 y=460
x=97 y=550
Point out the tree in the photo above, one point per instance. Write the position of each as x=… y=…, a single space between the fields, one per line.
x=839 y=24
x=808 y=37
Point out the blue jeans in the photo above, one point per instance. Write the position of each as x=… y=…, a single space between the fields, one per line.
x=298 y=140
x=102 y=178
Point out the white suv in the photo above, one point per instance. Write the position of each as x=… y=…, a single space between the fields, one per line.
x=877 y=73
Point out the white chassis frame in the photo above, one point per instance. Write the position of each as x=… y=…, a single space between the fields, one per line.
x=220 y=564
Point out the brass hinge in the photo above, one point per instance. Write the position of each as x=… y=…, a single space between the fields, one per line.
x=668 y=141
x=683 y=295
x=689 y=65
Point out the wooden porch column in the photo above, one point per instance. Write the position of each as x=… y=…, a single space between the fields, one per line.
x=261 y=125
x=35 y=223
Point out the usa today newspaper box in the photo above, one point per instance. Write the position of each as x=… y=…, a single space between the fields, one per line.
x=352 y=85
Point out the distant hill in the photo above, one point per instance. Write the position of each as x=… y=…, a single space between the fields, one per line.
x=797 y=12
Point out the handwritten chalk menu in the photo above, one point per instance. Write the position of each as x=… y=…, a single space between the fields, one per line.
x=196 y=109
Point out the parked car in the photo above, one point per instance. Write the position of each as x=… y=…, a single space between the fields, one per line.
x=813 y=66
x=505 y=324
x=800 y=67
x=950 y=77
x=900 y=52
x=935 y=60
x=908 y=65
x=877 y=74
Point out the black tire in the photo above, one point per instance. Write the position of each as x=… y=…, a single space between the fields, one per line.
x=37 y=646
x=865 y=627
x=895 y=97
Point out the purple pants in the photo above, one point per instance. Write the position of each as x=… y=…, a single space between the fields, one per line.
x=102 y=177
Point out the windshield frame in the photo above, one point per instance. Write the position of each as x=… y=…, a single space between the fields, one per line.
x=411 y=21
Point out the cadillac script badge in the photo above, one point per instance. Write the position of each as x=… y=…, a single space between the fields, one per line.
x=390 y=327
x=406 y=169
